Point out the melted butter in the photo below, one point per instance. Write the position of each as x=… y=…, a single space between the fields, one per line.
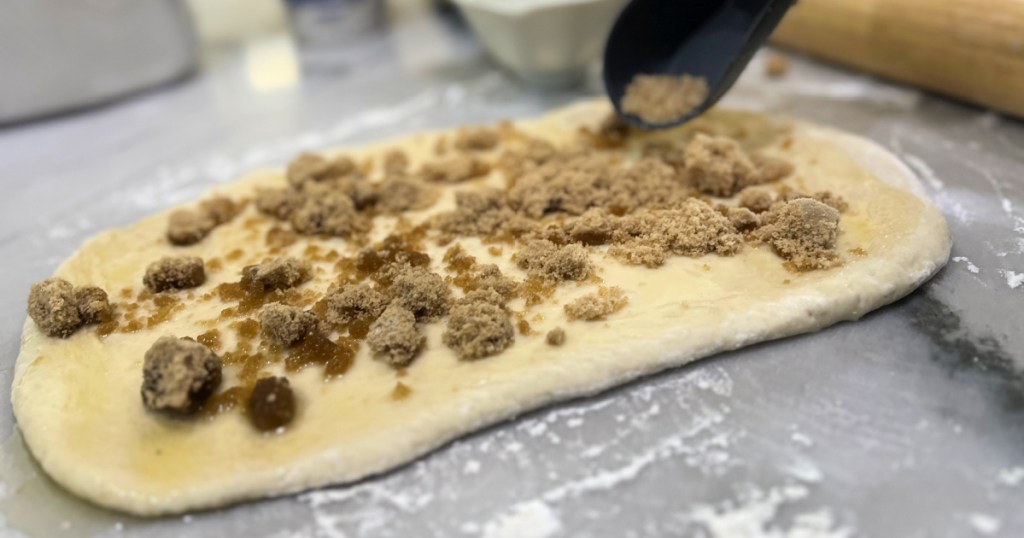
x=316 y=349
x=210 y=339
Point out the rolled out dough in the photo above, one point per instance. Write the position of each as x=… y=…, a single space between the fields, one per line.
x=77 y=399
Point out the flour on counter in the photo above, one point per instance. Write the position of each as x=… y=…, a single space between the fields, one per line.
x=1013 y=279
x=1011 y=476
x=531 y=519
x=967 y=263
x=984 y=523
x=751 y=515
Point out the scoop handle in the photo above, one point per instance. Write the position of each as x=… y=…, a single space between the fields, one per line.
x=968 y=49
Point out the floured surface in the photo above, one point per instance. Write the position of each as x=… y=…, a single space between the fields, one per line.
x=735 y=301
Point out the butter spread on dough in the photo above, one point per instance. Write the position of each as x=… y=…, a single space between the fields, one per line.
x=77 y=399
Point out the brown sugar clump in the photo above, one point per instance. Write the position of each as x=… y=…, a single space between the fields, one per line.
x=757 y=199
x=394 y=337
x=545 y=260
x=743 y=219
x=718 y=165
x=571 y=185
x=663 y=98
x=555 y=337
x=594 y=227
x=776 y=66
x=187 y=227
x=490 y=277
x=596 y=306
x=279 y=274
x=278 y=203
x=286 y=325
x=476 y=138
x=397 y=194
x=477 y=212
x=803 y=231
x=455 y=170
x=354 y=302
x=483 y=296
x=769 y=169
x=647 y=255
x=52 y=304
x=518 y=161
x=330 y=213
x=828 y=198
x=59 y=309
x=93 y=304
x=421 y=292
x=693 y=229
x=649 y=182
x=271 y=404
x=309 y=168
x=219 y=209
x=177 y=273
x=478 y=329
x=178 y=375
x=395 y=162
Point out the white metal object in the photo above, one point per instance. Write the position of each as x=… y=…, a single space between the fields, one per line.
x=60 y=55
x=546 y=42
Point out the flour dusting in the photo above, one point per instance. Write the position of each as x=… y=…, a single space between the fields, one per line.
x=531 y=519
x=967 y=263
x=1013 y=279
x=752 y=515
x=1011 y=476
x=984 y=523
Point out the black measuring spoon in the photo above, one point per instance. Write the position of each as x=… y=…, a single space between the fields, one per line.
x=714 y=39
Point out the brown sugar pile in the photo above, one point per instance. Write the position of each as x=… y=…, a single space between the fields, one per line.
x=476 y=138
x=776 y=66
x=395 y=162
x=308 y=168
x=478 y=328
x=663 y=98
x=803 y=231
x=354 y=302
x=59 y=309
x=720 y=167
x=178 y=375
x=421 y=292
x=187 y=226
x=455 y=170
x=394 y=337
x=555 y=337
x=330 y=213
x=757 y=199
x=694 y=229
x=279 y=274
x=286 y=325
x=175 y=273
x=545 y=260
x=400 y=193
x=597 y=306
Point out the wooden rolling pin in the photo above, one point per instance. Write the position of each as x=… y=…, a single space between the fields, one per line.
x=968 y=49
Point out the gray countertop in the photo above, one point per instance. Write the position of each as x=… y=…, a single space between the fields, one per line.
x=909 y=422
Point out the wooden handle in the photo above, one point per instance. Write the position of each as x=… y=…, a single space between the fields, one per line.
x=969 y=49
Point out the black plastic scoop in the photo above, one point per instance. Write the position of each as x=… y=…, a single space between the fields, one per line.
x=714 y=39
